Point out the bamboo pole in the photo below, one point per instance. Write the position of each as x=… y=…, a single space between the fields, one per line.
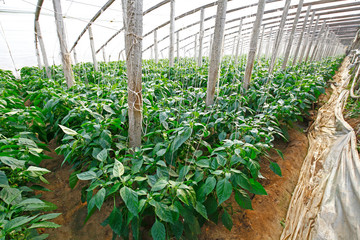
x=323 y=26
x=238 y=42
x=261 y=43
x=43 y=51
x=215 y=57
x=201 y=36
x=307 y=38
x=133 y=45
x=279 y=36
x=301 y=36
x=267 y=50
x=98 y=13
x=195 y=47
x=104 y=54
x=178 y=46
x=93 y=54
x=172 y=32
x=75 y=56
x=292 y=34
x=65 y=55
x=253 y=43
x=156 y=48
x=312 y=38
x=37 y=53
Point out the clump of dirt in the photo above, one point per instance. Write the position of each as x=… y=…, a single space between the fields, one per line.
x=267 y=219
x=69 y=203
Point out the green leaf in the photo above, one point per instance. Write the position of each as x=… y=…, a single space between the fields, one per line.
x=102 y=156
x=222 y=136
x=226 y=220
x=68 y=131
x=118 y=169
x=99 y=198
x=89 y=175
x=223 y=190
x=3 y=180
x=116 y=221
x=37 y=171
x=161 y=152
x=163 y=212
x=10 y=195
x=48 y=216
x=254 y=167
x=27 y=142
x=130 y=198
x=243 y=199
x=242 y=180
x=275 y=168
x=280 y=153
x=200 y=208
x=136 y=165
x=73 y=179
x=45 y=225
x=158 y=231
x=17 y=222
x=256 y=187
x=177 y=229
x=12 y=162
x=206 y=188
x=159 y=185
x=181 y=138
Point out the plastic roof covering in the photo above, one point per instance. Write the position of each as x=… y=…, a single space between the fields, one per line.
x=17 y=25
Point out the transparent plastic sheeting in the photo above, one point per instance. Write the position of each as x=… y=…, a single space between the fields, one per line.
x=326 y=200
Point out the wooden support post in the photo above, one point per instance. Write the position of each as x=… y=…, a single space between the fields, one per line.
x=307 y=37
x=233 y=47
x=323 y=26
x=267 y=51
x=323 y=45
x=215 y=57
x=133 y=48
x=75 y=56
x=211 y=43
x=253 y=43
x=93 y=54
x=172 y=33
x=201 y=36
x=292 y=35
x=301 y=36
x=104 y=54
x=156 y=49
x=312 y=38
x=65 y=55
x=37 y=52
x=261 y=43
x=279 y=36
x=238 y=42
x=178 y=46
x=42 y=47
x=195 y=47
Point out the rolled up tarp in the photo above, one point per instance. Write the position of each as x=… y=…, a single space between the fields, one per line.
x=326 y=201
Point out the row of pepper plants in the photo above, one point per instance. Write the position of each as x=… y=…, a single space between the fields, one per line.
x=193 y=158
x=22 y=212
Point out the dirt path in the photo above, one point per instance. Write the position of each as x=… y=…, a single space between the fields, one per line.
x=265 y=221
x=69 y=204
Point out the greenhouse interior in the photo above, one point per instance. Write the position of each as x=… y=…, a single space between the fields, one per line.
x=179 y=119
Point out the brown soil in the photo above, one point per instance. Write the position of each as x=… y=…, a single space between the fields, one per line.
x=69 y=204
x=266 y=220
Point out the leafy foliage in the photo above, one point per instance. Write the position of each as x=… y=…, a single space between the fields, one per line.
x=193 y=158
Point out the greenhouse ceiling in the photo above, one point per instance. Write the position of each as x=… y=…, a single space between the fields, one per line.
x=17 y=25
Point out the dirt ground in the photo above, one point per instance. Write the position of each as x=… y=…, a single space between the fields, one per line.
x=262 y=223
x=265 y=221
x=69 y=204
